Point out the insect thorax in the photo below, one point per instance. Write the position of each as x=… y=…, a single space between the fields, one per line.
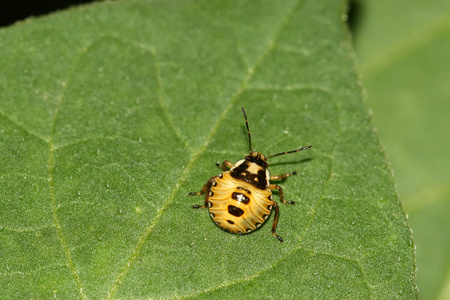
x=251 y=173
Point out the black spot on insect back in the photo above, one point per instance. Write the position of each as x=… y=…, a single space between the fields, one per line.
x=244 y=189
x=240 y=197
x=235 y=211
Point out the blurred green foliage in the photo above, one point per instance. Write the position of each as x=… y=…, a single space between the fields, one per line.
x=403 y=48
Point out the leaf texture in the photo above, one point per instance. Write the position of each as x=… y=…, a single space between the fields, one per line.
x=111 y=113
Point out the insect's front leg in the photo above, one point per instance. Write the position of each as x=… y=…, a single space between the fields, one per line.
x=225 y=166
x=205 y=190
x=279 y=177
x=280 y=191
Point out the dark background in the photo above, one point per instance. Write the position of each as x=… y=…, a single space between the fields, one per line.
x=13 y=11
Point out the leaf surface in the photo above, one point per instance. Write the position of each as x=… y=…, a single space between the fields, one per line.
x=111 y=113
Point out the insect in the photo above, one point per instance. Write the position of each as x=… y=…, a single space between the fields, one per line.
x=240 y=199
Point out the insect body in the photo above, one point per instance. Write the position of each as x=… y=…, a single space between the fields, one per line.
x=240 y=199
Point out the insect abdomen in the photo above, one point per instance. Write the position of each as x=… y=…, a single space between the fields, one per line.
x=237 y=207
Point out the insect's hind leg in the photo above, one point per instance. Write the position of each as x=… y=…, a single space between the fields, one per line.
x=205 y=190
x=225 y=166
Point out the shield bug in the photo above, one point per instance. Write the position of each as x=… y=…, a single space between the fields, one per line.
x=240 y=199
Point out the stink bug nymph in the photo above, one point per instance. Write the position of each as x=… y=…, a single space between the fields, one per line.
x=240 y=199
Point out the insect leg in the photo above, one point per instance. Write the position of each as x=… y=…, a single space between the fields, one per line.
x=225 y=165
x=205 y=190
x=280 y=190
x=275 y=222
x=279 y=177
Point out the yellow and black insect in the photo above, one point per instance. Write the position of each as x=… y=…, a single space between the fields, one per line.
x=240 y=199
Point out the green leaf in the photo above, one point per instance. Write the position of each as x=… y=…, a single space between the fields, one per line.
x=111 y=113
x=406 y=73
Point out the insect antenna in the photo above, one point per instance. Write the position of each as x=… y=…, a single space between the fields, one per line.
x=293 y=151
x=248 y=130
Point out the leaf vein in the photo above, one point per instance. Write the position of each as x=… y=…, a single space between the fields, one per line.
x=22 y=126
x=157 y=71
x=269 y=267
x=51 y=166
